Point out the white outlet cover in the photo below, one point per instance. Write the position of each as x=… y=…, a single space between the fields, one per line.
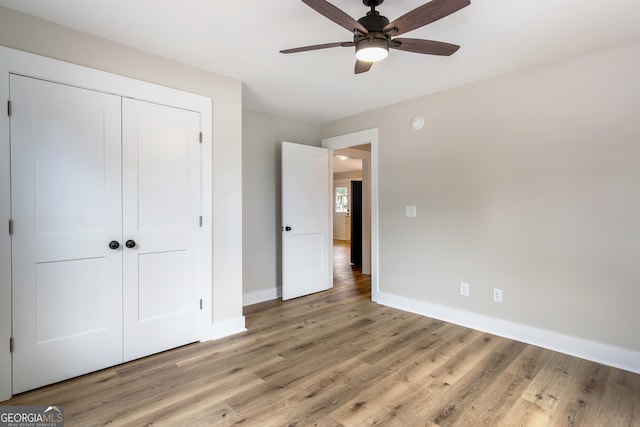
x=410 y=211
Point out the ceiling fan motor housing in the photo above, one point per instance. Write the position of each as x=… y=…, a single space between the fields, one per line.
x=372 y=3
x=374 y=22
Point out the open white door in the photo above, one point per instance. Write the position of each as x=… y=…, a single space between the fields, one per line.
x=306 y=220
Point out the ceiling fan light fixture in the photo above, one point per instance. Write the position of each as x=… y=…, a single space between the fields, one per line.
x=372 y=49
x=372 y=34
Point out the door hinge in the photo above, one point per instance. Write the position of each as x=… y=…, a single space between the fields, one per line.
x=10 y=227
x=10 y=344
x=200 y=303
x=9 y=108
x=200 y=137
x=200 y=220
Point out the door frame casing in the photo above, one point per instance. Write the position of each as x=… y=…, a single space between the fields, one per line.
x=369 y=136
x=17 y=62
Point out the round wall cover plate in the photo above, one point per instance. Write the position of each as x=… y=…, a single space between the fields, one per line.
x=417 y=122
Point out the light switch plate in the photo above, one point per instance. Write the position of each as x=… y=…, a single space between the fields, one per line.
x=464 y=289
x=410 y=211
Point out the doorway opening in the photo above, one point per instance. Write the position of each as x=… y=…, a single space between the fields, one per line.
x=364 y=145
x=349 y=270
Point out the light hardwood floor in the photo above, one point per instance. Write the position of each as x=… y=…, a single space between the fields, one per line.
x=337 y=359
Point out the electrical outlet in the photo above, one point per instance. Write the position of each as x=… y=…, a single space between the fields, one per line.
x=464 y=289
x=497 y=295
x=410 y=211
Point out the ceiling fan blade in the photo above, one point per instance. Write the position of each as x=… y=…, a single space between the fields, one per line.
x=336 y=15
x=317 y=46
x=429 y=47
x=423 y=15
x=362 y=67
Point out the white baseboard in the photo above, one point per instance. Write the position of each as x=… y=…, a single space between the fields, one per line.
x=224 y=328
x=590 y=350
x=260 y=296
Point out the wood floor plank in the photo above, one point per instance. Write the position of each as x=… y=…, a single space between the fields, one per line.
x=583 y=396
x=310 y=406
x=529 y=363
x=548 y=386
x=525 y=413
x=336 y=373
x=462 y=394
x=490 y=408
x=336 y=359
x=368 y=407
x=619 y=403
x=261 y=404
x=419 y=329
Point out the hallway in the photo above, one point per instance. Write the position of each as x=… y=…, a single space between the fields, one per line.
x=347 y=278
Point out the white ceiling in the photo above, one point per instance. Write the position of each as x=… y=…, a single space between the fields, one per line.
x=353 y=160
x=346 y=165
x=242 y=39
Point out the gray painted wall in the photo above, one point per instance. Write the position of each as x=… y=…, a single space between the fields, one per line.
x=261 y=137
x=526 y=182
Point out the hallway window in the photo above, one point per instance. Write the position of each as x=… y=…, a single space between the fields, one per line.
x=342 y=199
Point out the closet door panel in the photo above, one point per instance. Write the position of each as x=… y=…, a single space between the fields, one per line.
x=66 y=208
x=161 y=209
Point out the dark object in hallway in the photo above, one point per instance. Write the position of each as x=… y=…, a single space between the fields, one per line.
x=356 y=223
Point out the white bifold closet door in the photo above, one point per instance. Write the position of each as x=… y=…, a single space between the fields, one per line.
x=161 y=194
x=91 y=171
x=66 y=208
